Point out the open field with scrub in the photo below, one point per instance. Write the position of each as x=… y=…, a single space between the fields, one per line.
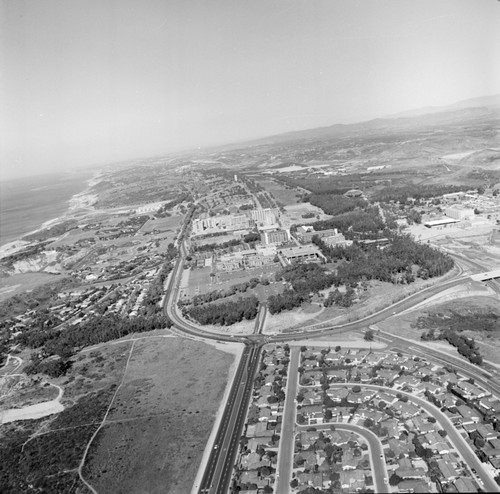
x=481 y=316
x=162 y=416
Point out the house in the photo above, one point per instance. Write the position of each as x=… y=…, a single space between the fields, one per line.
x=312 y=397
x=399 y=447
x=361 y=397
x=312 y=413
x=411 y=485
x=392 y=427
x=406 y=409
x=447 y=471
x=423 y=427
x=313 y=377
x=470 y=391
x=446 y=400
x=374 y=358
x=489 y=404
x=486 y=431
x=434 y=441
x=465 y=484
x=409 y=381
x=264 y=414
x=336 y=375
x=387 y=375
x=349 y=461
x=252 y=461
x=410 y=473
x=308 y=438
x=312 y=479
x=468 y=415
x=387 y=398
x=353 y=480
x=252 y=444
x=337 y=394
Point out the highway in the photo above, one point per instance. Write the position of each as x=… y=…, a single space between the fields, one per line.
x=219 y=468
x=470 y=458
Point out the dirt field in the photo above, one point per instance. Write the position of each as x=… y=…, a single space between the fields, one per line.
x=161 y=419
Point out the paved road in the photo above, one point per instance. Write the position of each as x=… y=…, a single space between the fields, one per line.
x=287 y=443
x=219 y=468
x=470 y=458
x=379 y=467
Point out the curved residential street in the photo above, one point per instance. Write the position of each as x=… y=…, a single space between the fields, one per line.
x=458 y=441
x=377 y=458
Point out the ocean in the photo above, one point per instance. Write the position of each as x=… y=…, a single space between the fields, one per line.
x=26 y=203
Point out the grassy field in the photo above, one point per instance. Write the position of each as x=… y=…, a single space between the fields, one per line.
x=161 y=418
x=279 y=192
x=200 y=280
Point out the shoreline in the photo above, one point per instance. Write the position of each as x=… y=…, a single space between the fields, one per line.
x=80 y=200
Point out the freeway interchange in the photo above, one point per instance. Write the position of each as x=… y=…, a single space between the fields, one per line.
x=218 y=471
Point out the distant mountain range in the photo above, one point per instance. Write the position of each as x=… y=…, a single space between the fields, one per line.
x=482 y=101
x=485 y=108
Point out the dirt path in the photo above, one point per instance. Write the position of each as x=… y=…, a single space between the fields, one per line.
x=84 y=457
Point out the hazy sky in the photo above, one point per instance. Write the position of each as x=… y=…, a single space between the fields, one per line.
x=93 y=81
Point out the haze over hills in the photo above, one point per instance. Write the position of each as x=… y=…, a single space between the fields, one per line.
x=485 y=107
x=492 y=101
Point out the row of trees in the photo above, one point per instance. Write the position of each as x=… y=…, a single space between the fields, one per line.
x=407 y=193
x=225 y=313
x=465 y=346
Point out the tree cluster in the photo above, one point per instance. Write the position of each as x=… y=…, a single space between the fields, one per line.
x=356 y=223
x=335 y=204
x=67 y=342
x=393 y=264
x=287 y=300
x=225 y=313
x=204 y=298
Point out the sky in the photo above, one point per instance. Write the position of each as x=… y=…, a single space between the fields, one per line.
x=87 y=82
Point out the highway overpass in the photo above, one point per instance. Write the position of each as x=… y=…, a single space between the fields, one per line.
x=487 y=275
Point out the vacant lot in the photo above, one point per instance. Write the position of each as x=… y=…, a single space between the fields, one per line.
x=161 y=419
